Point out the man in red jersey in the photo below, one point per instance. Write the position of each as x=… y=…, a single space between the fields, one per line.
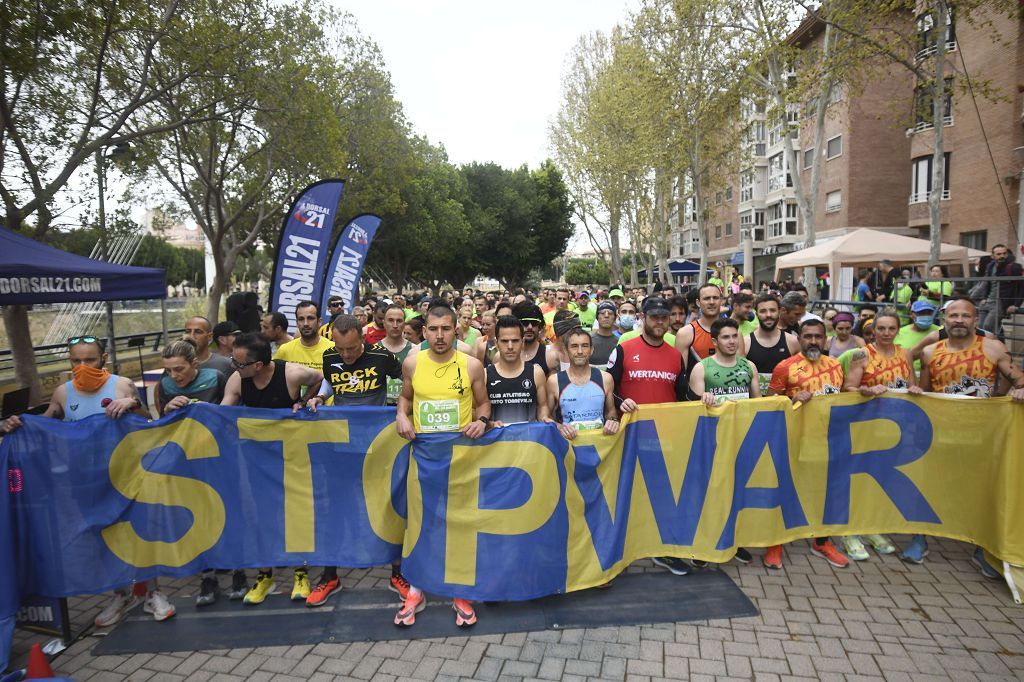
x=647 y=370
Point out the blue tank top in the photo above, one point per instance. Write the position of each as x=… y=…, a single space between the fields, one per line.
x=82 y=405
x=582 y=406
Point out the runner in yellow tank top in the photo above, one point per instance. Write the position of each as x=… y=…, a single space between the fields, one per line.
x=967 y=364
x=439 y=389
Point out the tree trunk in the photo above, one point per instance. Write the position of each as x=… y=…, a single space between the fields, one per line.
x=938 y=150
x=22 y=352
x=222 y=271
x=614 y=248
x=663 y=198
x=702 y=240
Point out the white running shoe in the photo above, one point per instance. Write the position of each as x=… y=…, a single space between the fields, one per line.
x=117 y=607
x=157 y=604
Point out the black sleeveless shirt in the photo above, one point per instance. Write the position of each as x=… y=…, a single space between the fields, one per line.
x=274 y=394
x=512 y=400
x=765 y=359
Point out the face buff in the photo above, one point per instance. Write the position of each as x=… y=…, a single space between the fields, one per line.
x=89 y=379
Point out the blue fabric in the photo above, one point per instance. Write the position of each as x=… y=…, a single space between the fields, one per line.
x=348 y=259
x=32 y=272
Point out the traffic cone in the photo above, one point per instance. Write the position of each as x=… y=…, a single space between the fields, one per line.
x=38 y=666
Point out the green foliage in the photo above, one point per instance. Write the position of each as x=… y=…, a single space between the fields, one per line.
x=587 y=271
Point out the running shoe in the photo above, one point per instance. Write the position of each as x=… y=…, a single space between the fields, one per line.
x=743 y=556
x=880 y=543
x=986 y=568
x=773 y=557
x=916 y=551
x=324 y=589
x=264 y=584
x=854 y=548
x=300 y=586
x=208 y=590
x=830 y=553
x=414 y=602
x=239 y=585
x=399 y=585
x=698 y=563
x=157 y=604
x=465 y=616
x=115 y=610
x=672 y=564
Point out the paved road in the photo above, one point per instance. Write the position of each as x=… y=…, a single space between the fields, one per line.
x=879 y=618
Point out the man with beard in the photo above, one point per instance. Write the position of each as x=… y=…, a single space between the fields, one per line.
x=534 y=350
x=375 y=331
x=198 y=329
x=647 y=370
x=801 y=377
x=768 y=345
x=308 y=349
x=743 y=312
x=1001 y=298
x=680 y=311
x=694 y=340
x=604 y=339
x=516 y=390
x=274 y=328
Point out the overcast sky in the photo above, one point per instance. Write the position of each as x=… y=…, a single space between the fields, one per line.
x=482 y=78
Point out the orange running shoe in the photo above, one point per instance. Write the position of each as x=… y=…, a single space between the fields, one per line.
x=830 y=553
x=773 y=557
x=324 y=589
x=465 y=616
x=414 y=602
x=399 y=585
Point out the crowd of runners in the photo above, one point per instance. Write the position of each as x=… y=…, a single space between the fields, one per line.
x=472 y=361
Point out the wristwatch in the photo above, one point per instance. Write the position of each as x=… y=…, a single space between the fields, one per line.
x=486 y=421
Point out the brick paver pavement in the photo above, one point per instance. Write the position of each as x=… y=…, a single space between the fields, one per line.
x=878 y=618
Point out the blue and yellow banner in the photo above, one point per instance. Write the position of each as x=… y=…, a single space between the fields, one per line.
x=517 y=514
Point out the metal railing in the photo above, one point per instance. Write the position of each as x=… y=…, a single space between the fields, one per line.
x=57 y=353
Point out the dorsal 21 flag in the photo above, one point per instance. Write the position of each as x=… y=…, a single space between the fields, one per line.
x=302 y=251
x=348 y=258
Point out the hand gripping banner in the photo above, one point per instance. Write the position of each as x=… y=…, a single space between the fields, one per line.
x=347 y=260
x=517 y=514
x=302 y=250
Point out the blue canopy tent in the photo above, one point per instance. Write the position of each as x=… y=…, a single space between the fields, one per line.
x=677 y=268
x=32 y=272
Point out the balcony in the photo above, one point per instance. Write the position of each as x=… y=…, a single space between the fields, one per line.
x=922 y=197
x=931 y=49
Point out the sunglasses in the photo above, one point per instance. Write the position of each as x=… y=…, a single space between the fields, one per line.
x=82 y=339
x=242 y=365
x=530 y=322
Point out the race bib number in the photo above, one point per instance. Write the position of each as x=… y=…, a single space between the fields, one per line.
x=588 y=425
x=439 y=415
x=394 y=390
x=763 y=380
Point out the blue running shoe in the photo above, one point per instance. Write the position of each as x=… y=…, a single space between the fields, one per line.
x=916 y=551
x=986 y=569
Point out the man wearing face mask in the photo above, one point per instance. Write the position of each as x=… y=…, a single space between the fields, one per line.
x=626 y=320
x=922 y=323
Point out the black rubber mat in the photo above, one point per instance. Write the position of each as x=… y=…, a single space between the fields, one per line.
x=366 y=615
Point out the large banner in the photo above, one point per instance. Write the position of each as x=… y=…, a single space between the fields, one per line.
x=302 y=251
x=517 y=514
x=348 y=259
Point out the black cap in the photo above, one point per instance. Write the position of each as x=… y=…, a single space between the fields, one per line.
x=655 y=305
x=225 y=329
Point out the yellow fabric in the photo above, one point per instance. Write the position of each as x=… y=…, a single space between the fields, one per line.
x=432 y=381
x=312 y=357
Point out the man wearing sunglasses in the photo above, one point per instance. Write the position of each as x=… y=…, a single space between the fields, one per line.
x=534 y=350
x=93 y=390
x=335 y=306
x=259 y=381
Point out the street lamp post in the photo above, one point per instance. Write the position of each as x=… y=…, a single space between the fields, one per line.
x=119 y=153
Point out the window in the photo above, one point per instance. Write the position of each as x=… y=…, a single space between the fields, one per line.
x=759 y=226
x=759 y=148
x=747 y=186
x=776 y=172
x=808 y=158
x=834 y=147
x=718 y=231
x=921 y=180
x=926 y=42
x=975 y=240
x=791 y=221
x=718 y=198
x=728 y=229
x=833 y=201
x=923 y=109
x=728 y=193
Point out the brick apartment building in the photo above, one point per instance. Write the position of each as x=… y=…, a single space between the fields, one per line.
x=876 y=167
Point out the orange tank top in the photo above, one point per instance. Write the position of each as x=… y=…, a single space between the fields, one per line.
x=966 y=372
x=702 y=345
x=891 y=372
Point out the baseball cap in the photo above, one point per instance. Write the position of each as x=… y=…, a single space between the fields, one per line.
x=654 y=305
x=921 y=306
x=226 y=328
x=606 y=305
x=583 y=294
x=616 y=292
